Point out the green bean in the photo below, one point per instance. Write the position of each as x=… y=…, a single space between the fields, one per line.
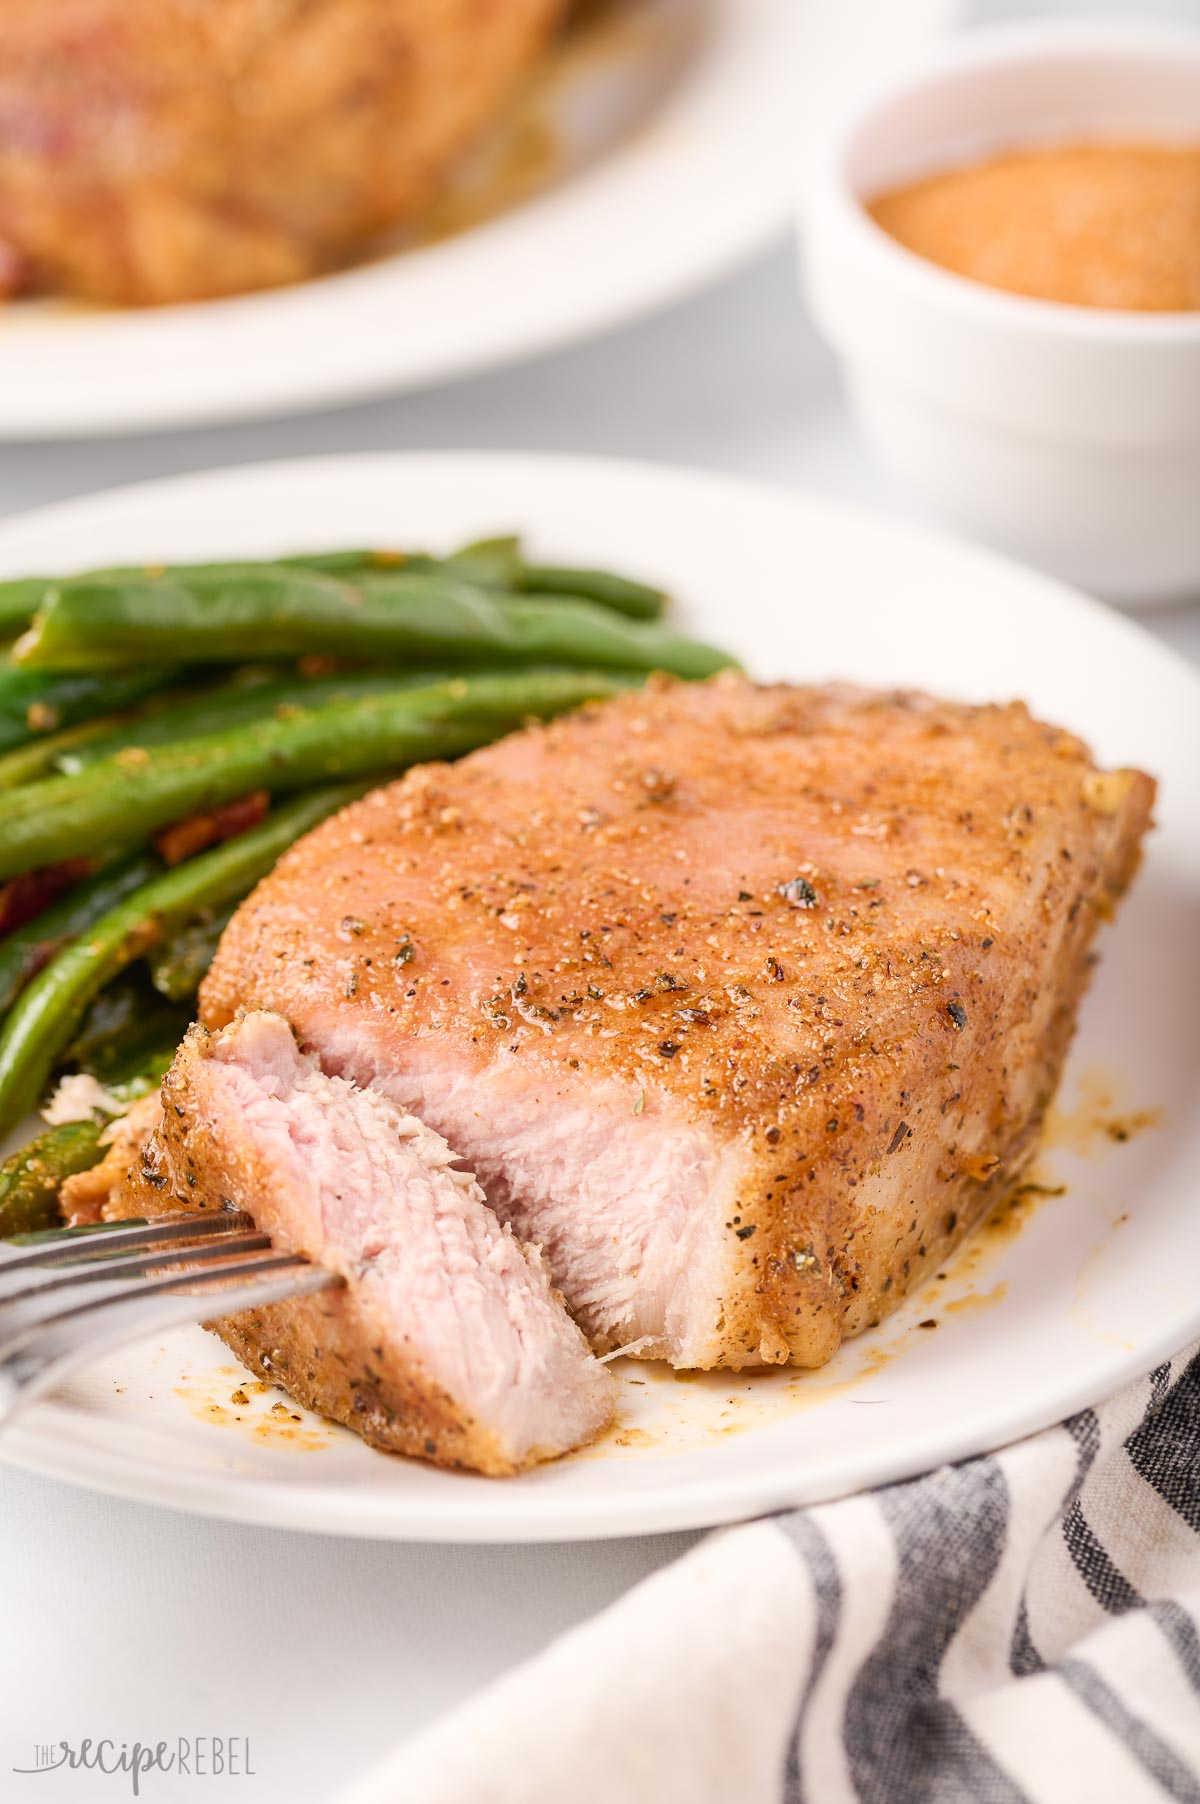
x=177 y=967
x=280 y=613
x=635 y=599
x=122 y=1027
x=32 y=703
x=493 y=563
x=25 y=763
x=340 y=563
x=110 y=1014
x=172 y=714
x=27 y=949
x=227 y=705
x=31 y=1178
x=56 y=750
x=122 y=802
x=48 y=1015
x=497 y=563
x=22 y=596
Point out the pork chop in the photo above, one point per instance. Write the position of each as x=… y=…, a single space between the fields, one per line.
x=448 y=1340
x=744 y=1003
x=163 y=150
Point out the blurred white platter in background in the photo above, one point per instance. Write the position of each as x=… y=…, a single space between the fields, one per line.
x=663 y=148
x=1098 y=1284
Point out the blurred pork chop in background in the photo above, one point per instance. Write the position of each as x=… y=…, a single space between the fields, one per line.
x=154 y=151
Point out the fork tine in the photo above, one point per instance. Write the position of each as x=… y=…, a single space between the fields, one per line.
x=55 y=1246
x=71 y=1339
x=22 y=1320
x=29 y=1282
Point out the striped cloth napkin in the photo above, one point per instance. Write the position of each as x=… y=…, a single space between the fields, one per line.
x=1018 y=1629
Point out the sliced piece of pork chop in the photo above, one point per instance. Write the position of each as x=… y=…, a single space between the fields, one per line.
x=744 y=1003
x=448 y=1340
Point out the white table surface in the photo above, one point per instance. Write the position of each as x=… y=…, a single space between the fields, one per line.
x=125 y=1621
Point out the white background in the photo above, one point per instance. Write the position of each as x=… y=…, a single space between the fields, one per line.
x=123 y=1621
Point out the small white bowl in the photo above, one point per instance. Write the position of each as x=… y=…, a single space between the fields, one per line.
x=1069 y=436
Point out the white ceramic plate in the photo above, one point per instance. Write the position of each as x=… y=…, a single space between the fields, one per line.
x=677 y=134
x=1099 y=1283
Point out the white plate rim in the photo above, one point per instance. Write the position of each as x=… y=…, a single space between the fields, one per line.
x=459 y=1518
x=717 y=1505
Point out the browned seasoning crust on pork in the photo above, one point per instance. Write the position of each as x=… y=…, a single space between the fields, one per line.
x=845 y=933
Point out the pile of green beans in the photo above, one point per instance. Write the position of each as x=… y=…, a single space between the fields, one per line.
x=134 y=698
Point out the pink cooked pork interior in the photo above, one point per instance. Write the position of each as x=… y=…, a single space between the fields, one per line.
x=448 y=1339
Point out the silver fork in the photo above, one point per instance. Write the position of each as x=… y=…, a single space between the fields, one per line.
x=71 y=1293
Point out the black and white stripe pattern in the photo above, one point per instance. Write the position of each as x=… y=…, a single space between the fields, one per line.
x=1018 y=1629
x=1022 y=1627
